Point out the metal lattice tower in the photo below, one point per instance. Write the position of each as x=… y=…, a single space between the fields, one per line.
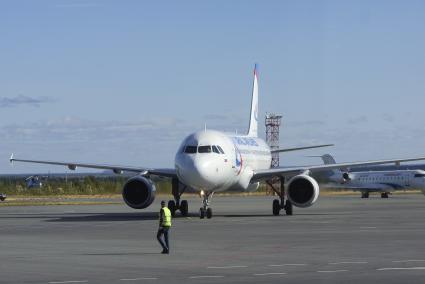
x=273 y=122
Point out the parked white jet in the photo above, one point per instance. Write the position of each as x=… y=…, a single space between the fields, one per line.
x=211 y=161
x=383 y=182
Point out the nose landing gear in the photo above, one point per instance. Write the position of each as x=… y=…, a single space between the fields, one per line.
x=205 y=210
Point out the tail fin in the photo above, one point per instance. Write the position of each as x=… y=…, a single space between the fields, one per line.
x=253 y=120
x=328 y=159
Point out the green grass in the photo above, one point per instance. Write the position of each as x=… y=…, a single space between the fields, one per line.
x=88 y=185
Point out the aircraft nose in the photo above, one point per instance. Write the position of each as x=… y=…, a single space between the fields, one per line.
x=198 y=172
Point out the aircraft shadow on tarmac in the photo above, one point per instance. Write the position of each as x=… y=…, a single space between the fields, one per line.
x=119 y=253
x=145 y=216
x=110 y=217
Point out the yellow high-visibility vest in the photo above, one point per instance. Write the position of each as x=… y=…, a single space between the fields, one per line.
x=167 y=217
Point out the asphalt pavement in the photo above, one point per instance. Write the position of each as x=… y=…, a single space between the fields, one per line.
x=341 y=239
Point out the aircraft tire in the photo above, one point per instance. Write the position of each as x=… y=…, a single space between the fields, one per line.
x=201 y=213
x=209 y=213
x=184 y=208
x=288 y=208
x=172 y=207
x=276 y=207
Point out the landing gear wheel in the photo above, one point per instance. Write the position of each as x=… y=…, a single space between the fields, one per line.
x=209 y=213
x=384 y=195
x=276 y=207
x=184 y=208
x=288 y=208
x=365 y=195
x=172 y=207
x=201 y=213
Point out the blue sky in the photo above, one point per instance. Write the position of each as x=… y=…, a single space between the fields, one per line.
x=125 y=81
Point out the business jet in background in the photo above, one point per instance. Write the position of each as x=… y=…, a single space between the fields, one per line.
x=384 y=182
x=211 y=161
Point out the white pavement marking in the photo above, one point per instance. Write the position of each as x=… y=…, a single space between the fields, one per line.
x=409 y=260
x=71 y=281
x=400 y=268
x=270 y=273
x=367 y=227
x=332 y=271
x=206 y=276
x=348 y=262
x=287 y=264
x=227 y=267
x=141 y=278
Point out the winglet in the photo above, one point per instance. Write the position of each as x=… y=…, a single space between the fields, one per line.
x=11 y=159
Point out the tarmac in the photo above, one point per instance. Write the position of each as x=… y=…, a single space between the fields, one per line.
x=341 y=239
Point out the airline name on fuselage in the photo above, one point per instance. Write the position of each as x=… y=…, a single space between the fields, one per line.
x=245 y=141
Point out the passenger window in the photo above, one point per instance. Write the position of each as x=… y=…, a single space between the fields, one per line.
x=215 y=150
x=204 y=149
x=221 y=150
x=190 y=149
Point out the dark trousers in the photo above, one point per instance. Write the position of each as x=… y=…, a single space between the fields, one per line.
x=163 y=231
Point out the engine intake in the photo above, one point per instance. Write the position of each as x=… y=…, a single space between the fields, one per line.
x=303 y=191
x=138 y=192
x=346 y=177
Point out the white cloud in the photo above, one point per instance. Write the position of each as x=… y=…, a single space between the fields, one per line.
x=22 y=100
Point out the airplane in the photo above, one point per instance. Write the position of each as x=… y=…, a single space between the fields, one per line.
x=210 y=161
x=34 y=181
x=384 y=182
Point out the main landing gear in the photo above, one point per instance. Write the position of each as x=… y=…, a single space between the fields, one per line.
x=279 y=204
x=384 y=195
x=205 y=210
x=365 y=194
x=176 y=204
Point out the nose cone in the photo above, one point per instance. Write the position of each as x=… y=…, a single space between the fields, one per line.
x=198 y=172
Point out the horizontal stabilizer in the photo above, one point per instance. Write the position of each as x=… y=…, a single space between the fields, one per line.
x=300 y=148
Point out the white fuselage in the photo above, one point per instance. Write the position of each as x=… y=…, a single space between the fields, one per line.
x=215 y=161
x=385 y=180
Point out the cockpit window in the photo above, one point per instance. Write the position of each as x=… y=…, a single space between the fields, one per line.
x=204 y=149
x=419 y=175
x=215 y=149
x=190 y=149
x=221 y=150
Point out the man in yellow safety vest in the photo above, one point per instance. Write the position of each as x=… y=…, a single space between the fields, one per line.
x=164 y=227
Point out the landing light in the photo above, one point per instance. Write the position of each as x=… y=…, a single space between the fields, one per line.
x=202 y=193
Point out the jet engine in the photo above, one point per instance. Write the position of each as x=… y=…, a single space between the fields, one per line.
x=303 y=190
x=345 y=177
x=138 y=192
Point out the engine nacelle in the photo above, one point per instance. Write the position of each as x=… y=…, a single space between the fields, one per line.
x=303 y=191
x=345 y=177
x=139 y=192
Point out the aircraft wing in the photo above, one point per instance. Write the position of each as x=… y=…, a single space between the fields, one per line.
x=115 y=168
x=259 y=175
x=299 y=148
